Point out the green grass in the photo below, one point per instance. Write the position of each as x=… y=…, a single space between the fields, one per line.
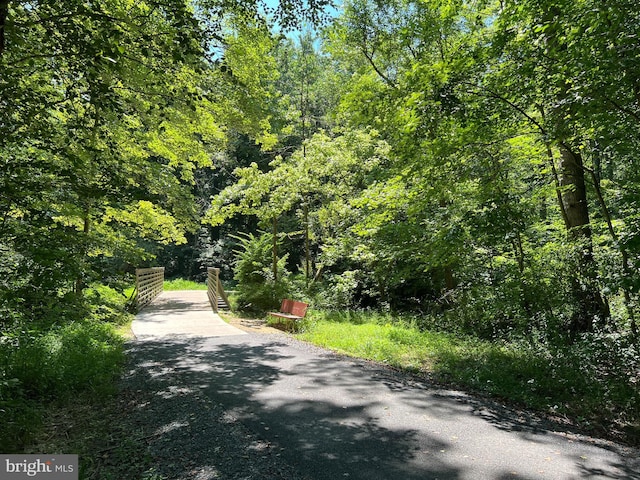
x=563 y=381
x=78 y=352
x=182 y=284
x=58 y=384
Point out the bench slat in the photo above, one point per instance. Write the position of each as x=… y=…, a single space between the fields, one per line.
x=291 y=309
x=299 y=309
x=285 y=315
x=286 y=306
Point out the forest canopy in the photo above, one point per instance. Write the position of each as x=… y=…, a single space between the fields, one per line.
x=470 y=161
x=108 y=111
x=501 y=193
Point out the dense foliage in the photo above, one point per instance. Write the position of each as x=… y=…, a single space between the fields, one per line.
x=474 y=163
x=78 y=358
x=504 y=200
x=111 y=115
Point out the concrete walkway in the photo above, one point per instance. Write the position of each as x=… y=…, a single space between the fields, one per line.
x=185 y=313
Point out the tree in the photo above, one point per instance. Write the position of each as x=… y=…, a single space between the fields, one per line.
x=317 y=181
x=460 y=92
x=107 y=109
x=102 y=130
x=568 y=58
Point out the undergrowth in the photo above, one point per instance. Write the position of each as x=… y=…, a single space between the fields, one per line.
x=51 y=360
x=182 y=284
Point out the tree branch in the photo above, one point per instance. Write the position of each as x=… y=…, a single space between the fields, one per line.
x=386 y=79
x=624 y=110
x=519 y=109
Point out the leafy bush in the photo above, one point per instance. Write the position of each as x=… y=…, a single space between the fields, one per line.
x=18 y=416
x=106 y=304
x=339 y=291
x=258 y=290
x=67 y=359
x=58 y=358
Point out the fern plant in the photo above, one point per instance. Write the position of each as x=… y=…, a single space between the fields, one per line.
x=259 y=290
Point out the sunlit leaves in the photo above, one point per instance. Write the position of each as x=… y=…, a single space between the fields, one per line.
x=152 y=222
x=330 y=168
x=107 y=111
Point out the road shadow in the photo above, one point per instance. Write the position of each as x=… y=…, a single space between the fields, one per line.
x=268 y=407
x=206 y=416
x=526 y=425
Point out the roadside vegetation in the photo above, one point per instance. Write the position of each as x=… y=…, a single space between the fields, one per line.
x=591 y=384
x=59 y=386
x=46 y=365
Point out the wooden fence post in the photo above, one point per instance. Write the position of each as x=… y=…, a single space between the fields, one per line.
x=215 y=290
x=213 y=278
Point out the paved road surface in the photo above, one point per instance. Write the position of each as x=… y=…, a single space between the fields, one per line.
x=185 y=313
x=327 y=417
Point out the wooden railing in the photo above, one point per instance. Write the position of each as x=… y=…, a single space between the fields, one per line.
x=215 y=291
x=149 y=284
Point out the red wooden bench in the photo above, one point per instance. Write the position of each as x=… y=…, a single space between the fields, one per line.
x=291 y=310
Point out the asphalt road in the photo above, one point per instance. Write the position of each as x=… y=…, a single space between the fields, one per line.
x=329 y=417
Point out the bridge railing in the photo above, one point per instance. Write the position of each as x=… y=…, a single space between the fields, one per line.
x=149 y=284
x=215 y=290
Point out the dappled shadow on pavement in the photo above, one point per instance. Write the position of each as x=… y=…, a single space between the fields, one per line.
x=206 y=417
x=623 y=462
x=267 y=407
x=189 y=436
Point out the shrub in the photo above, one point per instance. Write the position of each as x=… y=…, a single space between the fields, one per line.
x=57 y=358
x=258 y=290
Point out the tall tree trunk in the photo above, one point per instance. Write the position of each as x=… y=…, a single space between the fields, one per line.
x=307 y=244
x=587 y=297
x=449 y=280
x=574 y=195
x=275 y=250
x=626 y=267
x=556 y=180
x=86 y=229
